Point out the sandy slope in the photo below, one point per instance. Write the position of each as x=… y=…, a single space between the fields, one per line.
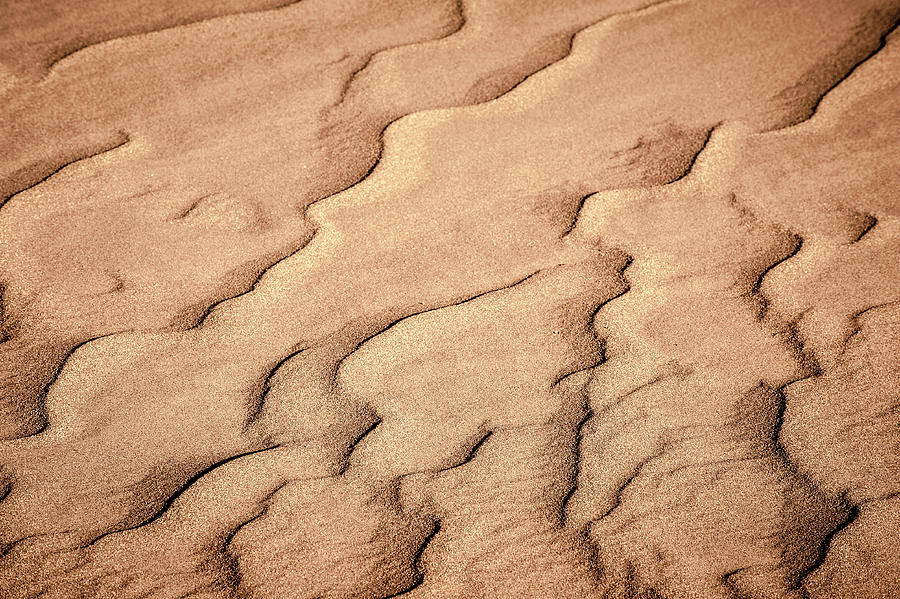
x=428 y=298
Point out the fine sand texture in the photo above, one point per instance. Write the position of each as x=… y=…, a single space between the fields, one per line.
x=450 y=299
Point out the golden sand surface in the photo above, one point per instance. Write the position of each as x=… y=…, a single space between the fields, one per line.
x=450 y=299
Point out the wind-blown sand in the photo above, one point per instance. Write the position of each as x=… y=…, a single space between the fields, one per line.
x=450 y=299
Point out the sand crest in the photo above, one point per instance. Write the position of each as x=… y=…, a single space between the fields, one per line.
x=450 y=299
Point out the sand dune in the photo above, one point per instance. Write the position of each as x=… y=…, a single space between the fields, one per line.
x=466 y=298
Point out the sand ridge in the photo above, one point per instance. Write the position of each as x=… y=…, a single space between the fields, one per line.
x=450 y=299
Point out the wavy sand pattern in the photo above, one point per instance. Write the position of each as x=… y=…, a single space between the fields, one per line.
x=450 y=299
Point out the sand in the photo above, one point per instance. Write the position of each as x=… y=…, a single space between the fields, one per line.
x=450 y=299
